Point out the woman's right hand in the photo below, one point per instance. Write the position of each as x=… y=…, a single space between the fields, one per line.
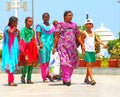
x=54 y=50
x=83 y=53
x=41 y=46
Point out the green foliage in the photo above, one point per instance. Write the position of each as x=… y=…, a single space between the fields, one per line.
x=0 y=53
x=97 y=46
x=0 y=37
x=104 y=63
x=80 y=56
x=1 y=50
x=82 y=28
x=111 y=45
x=38 y=64
x=119 y=35
x=114 y=48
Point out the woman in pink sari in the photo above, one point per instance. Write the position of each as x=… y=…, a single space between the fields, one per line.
x=65 y=42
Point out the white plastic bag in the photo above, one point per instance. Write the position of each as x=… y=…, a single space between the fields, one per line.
x=54 y=64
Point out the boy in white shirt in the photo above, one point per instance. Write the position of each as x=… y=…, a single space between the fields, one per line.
x=88 y=38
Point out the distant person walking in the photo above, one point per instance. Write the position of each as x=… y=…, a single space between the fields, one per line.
x=55 y=23
x=10 y=50
x=58 y=77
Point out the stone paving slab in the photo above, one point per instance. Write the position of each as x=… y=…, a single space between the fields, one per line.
x=107 y=86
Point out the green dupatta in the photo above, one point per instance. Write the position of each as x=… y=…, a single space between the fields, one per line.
x=26 y=34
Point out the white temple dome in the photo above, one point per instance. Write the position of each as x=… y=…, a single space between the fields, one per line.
x=102 y=28
x=105 y=35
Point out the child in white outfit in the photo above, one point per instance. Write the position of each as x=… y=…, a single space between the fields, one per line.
x=88 y=38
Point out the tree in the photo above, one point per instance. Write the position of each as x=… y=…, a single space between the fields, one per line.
x=119 y=35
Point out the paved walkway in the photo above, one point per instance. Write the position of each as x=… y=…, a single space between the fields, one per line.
x=107 y=86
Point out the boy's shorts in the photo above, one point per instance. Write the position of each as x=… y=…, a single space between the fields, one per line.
x=90 y=57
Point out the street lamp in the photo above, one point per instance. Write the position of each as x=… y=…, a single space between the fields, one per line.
x=119 y=16
x=87 y=17
x=16 y=4
x=33 y=13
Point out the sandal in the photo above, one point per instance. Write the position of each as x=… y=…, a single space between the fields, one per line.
x=12 y=84
x=93 y=82
x=55 y=77
x=23 y=80
x=45 y=81
x=29 y=82
x=67 y=83
x=50 y=78
x=87 y=81
x=64 y=83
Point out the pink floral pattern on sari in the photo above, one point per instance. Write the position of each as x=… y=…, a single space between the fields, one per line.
x=67 y=48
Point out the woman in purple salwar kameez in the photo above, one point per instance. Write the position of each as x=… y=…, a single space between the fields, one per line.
x=65 y=41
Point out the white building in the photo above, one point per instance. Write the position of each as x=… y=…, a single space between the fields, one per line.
x=105 y=35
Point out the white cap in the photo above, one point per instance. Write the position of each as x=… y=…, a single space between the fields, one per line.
x=88 y=21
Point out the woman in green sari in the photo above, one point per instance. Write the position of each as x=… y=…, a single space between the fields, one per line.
x=28 y=50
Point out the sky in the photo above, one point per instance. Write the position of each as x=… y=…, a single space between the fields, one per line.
x=106 y=11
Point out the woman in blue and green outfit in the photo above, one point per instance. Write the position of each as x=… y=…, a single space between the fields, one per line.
x=28 y=50
x=45 y=37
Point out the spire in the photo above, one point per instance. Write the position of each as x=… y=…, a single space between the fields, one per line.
x=102 y=25
x=87 y=17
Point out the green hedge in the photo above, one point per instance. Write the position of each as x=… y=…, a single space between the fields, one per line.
x=0 y=53
x=80 y=56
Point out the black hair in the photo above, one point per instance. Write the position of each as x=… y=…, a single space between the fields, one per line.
x=54 y=21
x=12 y=19
x=66 y=12
x=45 y=14
x=26 y=19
